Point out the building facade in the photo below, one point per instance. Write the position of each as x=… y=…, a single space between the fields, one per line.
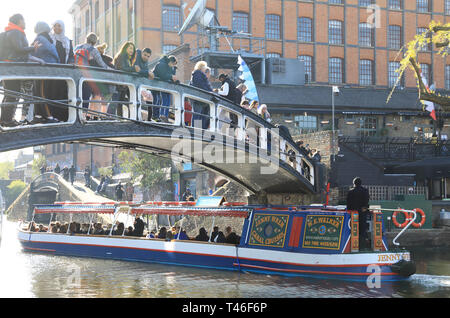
x=352 y=44
x=349 y=43
x=343 y=42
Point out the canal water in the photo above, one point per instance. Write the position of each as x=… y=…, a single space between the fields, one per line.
x=33 y=275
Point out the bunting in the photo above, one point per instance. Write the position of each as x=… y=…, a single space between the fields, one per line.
x=247 y=77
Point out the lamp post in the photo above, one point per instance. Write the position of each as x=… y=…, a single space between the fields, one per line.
x=335 y=90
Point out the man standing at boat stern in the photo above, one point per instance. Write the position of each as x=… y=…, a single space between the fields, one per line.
x=358 y=200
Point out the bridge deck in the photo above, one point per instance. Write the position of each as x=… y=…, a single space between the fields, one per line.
x=235 y=142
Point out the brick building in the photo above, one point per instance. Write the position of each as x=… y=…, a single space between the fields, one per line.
x=335 y=39
x=81 y=156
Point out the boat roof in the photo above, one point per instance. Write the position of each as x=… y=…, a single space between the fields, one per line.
x=239 y=210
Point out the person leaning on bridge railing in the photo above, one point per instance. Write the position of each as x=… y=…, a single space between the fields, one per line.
x=85 y=55
x=58 y=90
x=165 y=70
x=14 y=48
x=43 y=112
x=123 y=61
x=200 y=80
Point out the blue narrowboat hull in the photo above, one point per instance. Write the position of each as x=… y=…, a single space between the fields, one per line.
x=354 y=267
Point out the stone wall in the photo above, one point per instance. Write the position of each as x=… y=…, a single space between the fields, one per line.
x=321 y=141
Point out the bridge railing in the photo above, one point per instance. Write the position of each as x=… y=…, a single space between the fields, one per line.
x=91 y=94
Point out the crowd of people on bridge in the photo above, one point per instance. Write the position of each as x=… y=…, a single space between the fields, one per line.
x=51 y=45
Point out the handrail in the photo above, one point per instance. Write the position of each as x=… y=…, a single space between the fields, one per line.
x=394 y=241
x=265 y=139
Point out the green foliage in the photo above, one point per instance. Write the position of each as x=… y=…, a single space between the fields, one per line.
x=37 y=165
x=149 y=169
x=105 y=171
x=437 y=35
x=5 y=168
x=13 y=191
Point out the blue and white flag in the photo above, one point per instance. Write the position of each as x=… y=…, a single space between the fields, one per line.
x=252 y=93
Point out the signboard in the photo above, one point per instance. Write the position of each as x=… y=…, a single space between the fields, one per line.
x=269 y=230
x=323 y=231
x=209 y=202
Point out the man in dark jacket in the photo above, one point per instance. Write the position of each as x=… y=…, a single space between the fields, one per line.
x=142 y=59
x=358 y=200
x=165 y=70
x=72 y=173
x=228 y=89
x=15 y=48
x=138 y=227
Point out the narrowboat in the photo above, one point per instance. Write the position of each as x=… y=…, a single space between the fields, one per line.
x=314 y=241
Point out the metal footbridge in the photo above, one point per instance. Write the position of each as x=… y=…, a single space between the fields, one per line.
x=201 y=127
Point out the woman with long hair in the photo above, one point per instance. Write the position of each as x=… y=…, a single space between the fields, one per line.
x=123 y=61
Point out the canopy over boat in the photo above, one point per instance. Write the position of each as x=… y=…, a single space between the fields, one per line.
x=150 y=208
x=193 y=211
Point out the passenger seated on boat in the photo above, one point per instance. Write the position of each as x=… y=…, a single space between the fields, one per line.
x=220 y=238
x=98 y=229
x=138 y=227
x=129 y=231
x=78 y=228
x=63 y=228
x=202 y=235
x=31 y=227
x=169 y=236
x=54 y=229
x=214 y=233
x=182 y=236
x=162 y=233
x=231 y=237
x=119 y=229
x=84 y=228
x=42 y=228
x=151 y=235
x=72 y=228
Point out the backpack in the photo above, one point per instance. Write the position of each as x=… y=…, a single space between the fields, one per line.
x=83 y=55
x=3 y=51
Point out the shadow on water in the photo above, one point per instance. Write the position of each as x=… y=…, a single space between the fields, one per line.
x=37 y=275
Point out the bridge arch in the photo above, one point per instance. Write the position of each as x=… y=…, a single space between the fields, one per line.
x=228 y=128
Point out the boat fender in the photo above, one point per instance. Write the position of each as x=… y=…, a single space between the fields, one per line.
x=394 y=218
x=422 y=220
x=404 y=268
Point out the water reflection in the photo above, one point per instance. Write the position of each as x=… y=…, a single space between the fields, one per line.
x=34 y=275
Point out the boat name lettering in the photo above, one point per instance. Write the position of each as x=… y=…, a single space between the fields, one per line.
x=392 y=257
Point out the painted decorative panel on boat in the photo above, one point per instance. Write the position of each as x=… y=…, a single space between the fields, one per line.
x=269 y=230
x=322 y=231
